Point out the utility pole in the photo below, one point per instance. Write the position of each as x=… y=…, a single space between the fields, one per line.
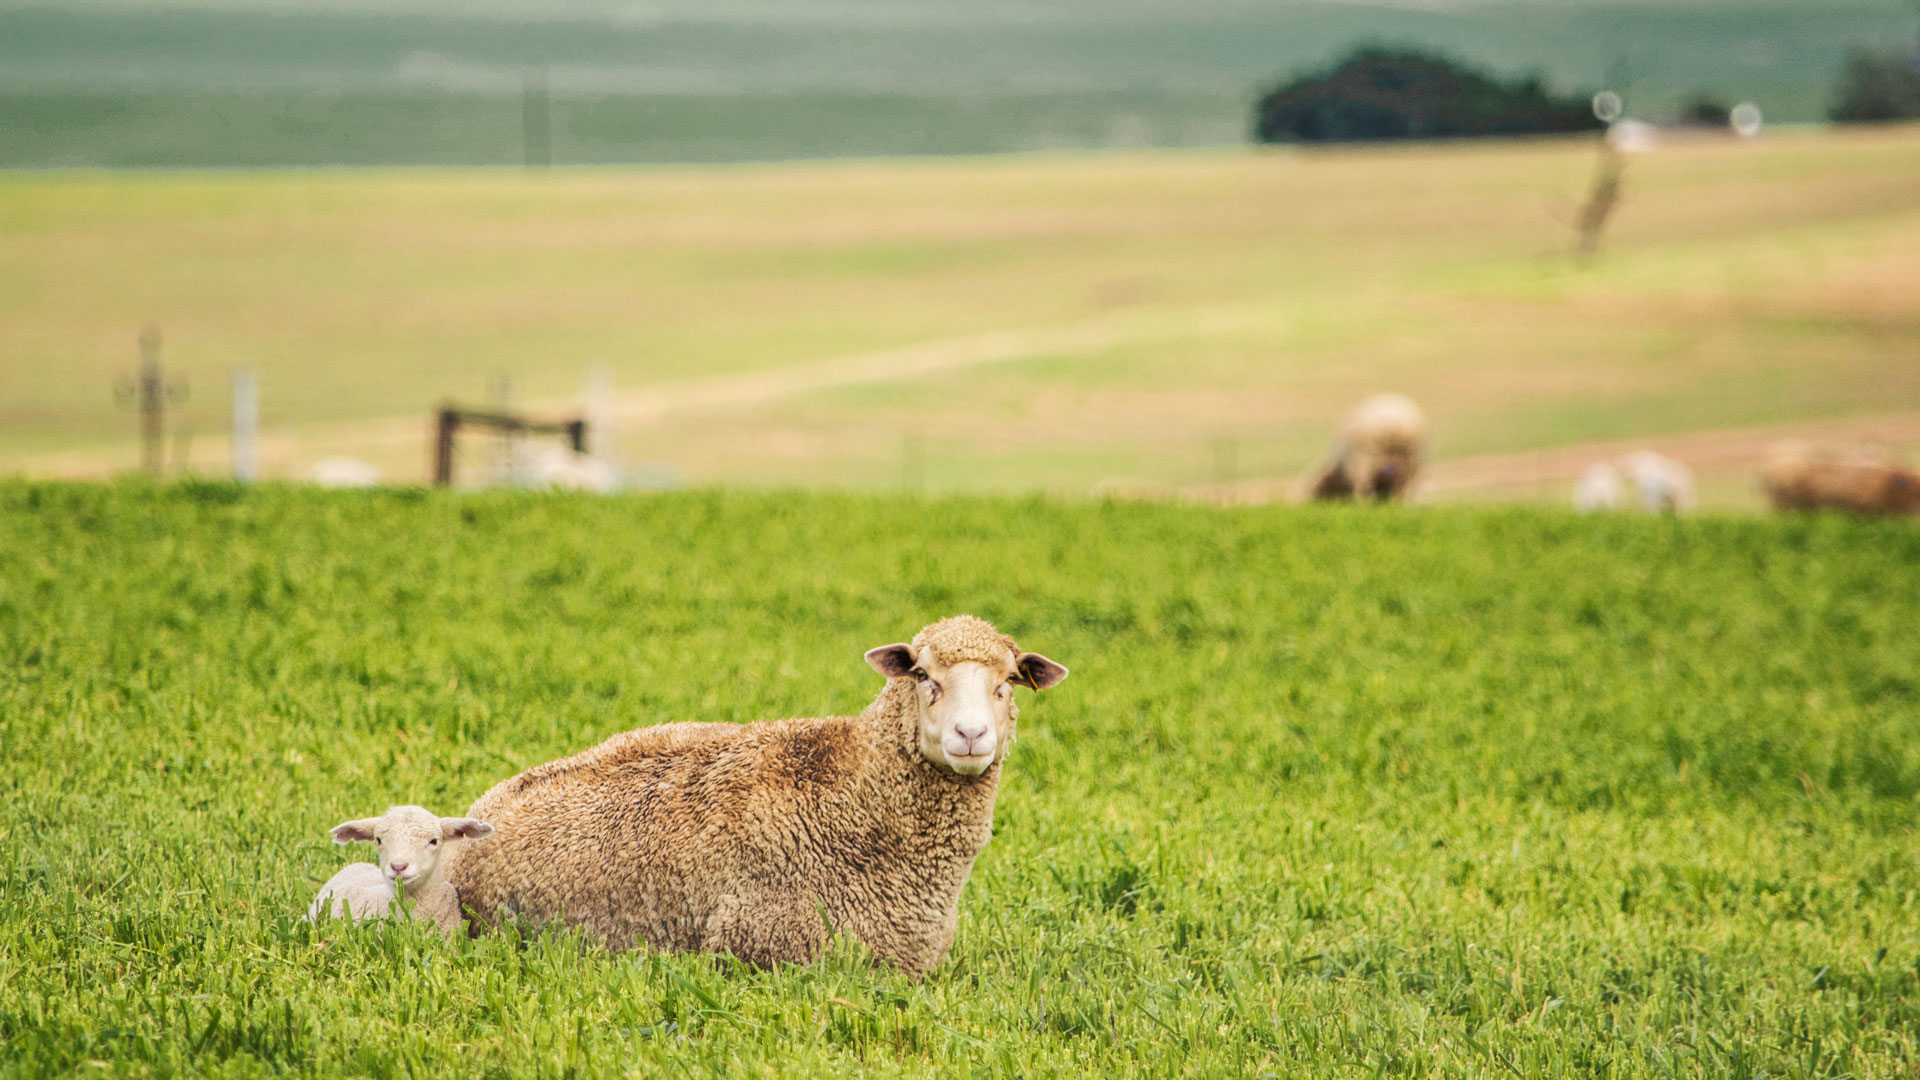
x=150 y=390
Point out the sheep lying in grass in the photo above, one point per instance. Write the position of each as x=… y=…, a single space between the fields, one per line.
x=412 y=843
x=1802 y=477
x=755 y=839
x=1378 y=452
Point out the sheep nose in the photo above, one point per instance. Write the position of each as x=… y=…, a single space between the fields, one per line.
x=970 y=732
x=398 y=868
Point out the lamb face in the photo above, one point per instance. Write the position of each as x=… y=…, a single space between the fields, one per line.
x=410 y=840
x=964 y=704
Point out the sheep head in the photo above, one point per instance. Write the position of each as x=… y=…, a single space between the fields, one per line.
x=963 y=672
x=410 y=840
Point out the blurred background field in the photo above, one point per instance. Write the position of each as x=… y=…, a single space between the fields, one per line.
x=1153 y=322
x=307 y=82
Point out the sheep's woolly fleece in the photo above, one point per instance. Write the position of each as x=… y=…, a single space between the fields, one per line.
x=753 y=839
x=963 y=638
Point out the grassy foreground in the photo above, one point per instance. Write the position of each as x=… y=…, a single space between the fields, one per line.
x=1330 y=792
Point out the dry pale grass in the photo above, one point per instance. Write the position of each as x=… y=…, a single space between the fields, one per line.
x=1149 y=322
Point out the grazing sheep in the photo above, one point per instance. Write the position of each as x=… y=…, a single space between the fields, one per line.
x=412 y=844
x=1598 y=489
x=1378 y=452
x=1801 y=477
x=760 y=839
x=1664 y=485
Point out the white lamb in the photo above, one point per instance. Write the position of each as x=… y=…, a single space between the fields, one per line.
x=1665 y=485
x=412 y=842
x=1598 y=489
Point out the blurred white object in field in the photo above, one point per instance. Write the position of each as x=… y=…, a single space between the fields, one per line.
x=596 y=407
x=1745 y=119
x=1664 y=485
x=1598 y=489
x=1632 y=136
x=344 y=472
x=1607 y=106
x=557 y=468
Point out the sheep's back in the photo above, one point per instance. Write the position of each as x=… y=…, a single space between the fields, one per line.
x=638 y=837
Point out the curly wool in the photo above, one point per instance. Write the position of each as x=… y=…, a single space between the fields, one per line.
x=962 y=638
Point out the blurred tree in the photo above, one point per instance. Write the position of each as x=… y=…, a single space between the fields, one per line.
x=1704 y=109
x=1878 y=86
x=1380 y=93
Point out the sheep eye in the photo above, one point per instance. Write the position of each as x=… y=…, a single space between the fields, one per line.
x=919 y=674
x=434 y=842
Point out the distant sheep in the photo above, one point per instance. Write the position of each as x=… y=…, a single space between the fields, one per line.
x=412 y=844
x=759 y=840
x=1378 y=453
x=1598 y=489
x=1802 y=477
x=1662 y=484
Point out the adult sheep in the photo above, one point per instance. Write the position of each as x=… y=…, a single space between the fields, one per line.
x=1802 y=477
x=751 y=839
x=1378 y=452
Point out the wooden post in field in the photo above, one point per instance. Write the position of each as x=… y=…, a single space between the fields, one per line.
x=246 y=426
x=150 y=392
x=446 y=422
x=153 y=406
x=1601 y=201
x=1609 y=108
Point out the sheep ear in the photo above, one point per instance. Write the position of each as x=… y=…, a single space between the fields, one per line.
x=348 y=831
x=464 y=828
x=1038 y=672
x=892 y=661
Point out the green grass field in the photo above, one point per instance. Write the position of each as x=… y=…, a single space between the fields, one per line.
x=1331 y=792
x=1113 y=322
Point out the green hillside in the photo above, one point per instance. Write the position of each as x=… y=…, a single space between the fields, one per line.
x=1330 y=792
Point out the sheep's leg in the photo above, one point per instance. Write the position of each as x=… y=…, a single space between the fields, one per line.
x=767 y=928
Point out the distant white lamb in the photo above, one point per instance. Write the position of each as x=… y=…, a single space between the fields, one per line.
x=412 y=842
x=1664 y=485
x=1598 y=489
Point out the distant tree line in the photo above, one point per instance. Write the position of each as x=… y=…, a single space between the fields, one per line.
x=1376 y=93
x=1878 y=86
x=1387 y=93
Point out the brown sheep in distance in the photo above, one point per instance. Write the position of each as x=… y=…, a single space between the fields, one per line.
x=761 y=839
x=1378 y=453
x=1801 y=477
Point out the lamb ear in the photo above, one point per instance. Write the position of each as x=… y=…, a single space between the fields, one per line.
x=892 y=661
x=1038 y=672
x=464 y=828
x=348 y=831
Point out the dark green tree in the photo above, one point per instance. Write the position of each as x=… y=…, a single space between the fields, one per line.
x=1878 y=86
x=1384 y=93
